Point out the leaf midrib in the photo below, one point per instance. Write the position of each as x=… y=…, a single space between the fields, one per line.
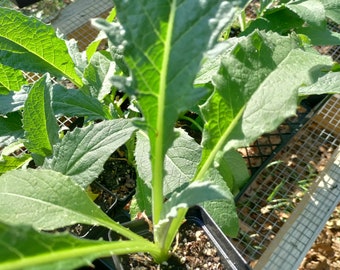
x=158 y=174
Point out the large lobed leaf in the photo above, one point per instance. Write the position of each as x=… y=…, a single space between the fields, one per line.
x=30 y=45
x=255 y=90
x=165 y=42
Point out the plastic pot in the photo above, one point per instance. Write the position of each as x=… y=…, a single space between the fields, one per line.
x=24 y=3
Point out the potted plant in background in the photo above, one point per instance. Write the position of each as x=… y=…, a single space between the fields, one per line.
x=165 y=62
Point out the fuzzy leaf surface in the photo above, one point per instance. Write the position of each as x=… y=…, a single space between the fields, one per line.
x=30 y=45
x=180 y=161
x=11 y=78
x=263 y=72
x=332 y=8
x=40 y=125
x=45 y=199
x=311 y=11
x=328 y=84
x=98 y=73
x=70 y=102
x=82 y=153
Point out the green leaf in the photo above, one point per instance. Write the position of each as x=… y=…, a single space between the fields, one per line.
x=234 y=170
x=223 y=212
x=70 y=102
x=11 y=79
x=212 y=61
x=13 y=101
x=8 y=163
x=278 y=19
x=30 y=45
x=320 y=36
x=311 y=11
x=332 y=8
x=225 y=215
x=40 y=125
x=180 y=164
x=10 y=128
x=45 y=199
x=98 y=74
x=193 y=194
x=328 y=84
x=93 y=46
x=263 y=72
x=24 y=248
x=82 y=153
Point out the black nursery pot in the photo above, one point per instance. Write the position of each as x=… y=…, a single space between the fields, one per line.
x=24 y=3
x=227 y=253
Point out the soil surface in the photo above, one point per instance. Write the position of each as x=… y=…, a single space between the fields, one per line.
x=191 y=249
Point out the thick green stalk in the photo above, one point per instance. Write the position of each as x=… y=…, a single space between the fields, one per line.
x=158 y=159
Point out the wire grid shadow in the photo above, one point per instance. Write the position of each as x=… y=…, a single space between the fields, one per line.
x=269 y=202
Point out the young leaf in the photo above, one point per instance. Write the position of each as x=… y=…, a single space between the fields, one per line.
x=24 y=248
x=30 y=45
x=11 y=79
x=195 y=193
x=93 y=47
x=40 y=125
x=82 y=153
x=234 y=170
x=98 y=74
x=10 y=128
x=158 y=54
x=70 y=102
x=8 y=163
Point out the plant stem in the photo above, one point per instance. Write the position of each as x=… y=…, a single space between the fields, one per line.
x=102 y=249
x=158 y=158
x=192 y=121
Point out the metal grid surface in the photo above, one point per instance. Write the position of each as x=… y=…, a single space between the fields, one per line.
x=74 y=21
x=268 y=203
x=299 y=232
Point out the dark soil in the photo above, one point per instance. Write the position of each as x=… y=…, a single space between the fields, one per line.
x=192 y=249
